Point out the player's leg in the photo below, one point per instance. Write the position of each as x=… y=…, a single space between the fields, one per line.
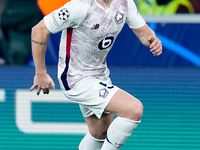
x=129 y=111
x=97 y=132
x=125 y=105
x=90 y=143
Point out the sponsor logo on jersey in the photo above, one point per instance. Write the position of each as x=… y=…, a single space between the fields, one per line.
x=119 y=18
x=106 y=42
x=63 y=14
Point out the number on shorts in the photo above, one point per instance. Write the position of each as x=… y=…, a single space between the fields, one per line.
x=106 y=85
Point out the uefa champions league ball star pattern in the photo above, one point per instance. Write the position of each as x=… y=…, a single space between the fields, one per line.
x=63 y=14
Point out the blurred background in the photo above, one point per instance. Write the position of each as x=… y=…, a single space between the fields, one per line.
x=168 y=85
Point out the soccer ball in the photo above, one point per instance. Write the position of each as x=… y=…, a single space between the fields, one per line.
x=63 y=14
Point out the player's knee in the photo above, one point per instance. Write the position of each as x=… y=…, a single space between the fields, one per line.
x=139 y=111
x=99 y=135
x=135 y=111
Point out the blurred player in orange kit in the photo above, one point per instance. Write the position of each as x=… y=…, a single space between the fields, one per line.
x=89 y=29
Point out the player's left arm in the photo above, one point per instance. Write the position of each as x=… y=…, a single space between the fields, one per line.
x=148 y=38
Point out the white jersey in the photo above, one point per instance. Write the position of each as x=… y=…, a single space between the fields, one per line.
x=88 y=33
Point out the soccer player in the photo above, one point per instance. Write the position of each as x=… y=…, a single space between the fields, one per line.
x=89 y=29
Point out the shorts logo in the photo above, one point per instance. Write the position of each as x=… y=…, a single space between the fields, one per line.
x=119 y=17
x=103 y=93
x=63 y=14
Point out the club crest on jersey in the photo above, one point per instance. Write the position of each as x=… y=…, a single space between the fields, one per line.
x=63 y=14
x=119 y=17
x=103 y=93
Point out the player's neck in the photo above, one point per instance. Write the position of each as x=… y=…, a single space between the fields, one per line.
x=105 y=3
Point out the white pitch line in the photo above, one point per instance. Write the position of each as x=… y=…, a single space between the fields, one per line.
x=2 y=95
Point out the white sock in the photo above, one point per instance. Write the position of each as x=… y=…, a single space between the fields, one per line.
x=118 y=132
x=90 y=143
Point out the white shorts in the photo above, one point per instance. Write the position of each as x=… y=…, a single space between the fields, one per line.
x=92 y=95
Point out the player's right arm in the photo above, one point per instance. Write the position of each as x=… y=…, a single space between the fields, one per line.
x=39 y=37
x=70 y=15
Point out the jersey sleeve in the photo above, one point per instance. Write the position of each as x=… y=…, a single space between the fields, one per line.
x=70 y=15
x=134 y=19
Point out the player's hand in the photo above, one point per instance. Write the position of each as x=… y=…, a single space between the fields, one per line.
x=43 y=82
x=155 y=45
